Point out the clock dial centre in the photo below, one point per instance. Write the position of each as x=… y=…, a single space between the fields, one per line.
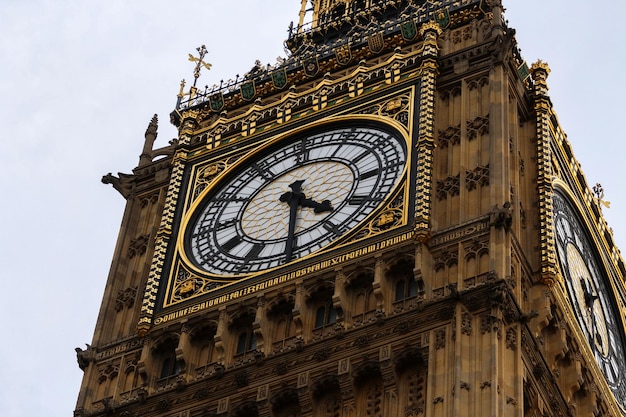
x=296 y=199
x=265 y=217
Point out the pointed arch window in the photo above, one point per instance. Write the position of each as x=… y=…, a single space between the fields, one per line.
x=246 y=341
x=243 y=339
x=325 y=315
x=283 y=331
x=360 y=296
x=168 y=366
x=203 y=343
x=405 y=288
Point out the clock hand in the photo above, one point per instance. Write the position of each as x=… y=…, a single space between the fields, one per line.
x=317 y=207
x=590 y=300
x=292 y=198
x=296 y=198
x=589 y=297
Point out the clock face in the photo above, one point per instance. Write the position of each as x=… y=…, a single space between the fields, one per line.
x=590 y=295
x=294 y=199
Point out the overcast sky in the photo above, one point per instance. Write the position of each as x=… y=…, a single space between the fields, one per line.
x=79 y=82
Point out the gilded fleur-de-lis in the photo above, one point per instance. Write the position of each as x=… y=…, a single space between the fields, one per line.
x=199 y=62
x=599 y=192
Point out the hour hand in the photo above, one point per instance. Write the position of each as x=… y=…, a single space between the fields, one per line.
x=589 y=297
x=317 y=207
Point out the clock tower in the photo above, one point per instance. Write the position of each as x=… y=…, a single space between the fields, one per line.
x=390 y=221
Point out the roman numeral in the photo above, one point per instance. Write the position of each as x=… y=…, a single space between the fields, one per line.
x=234 y=241
x=369 y=174
x=303 y=152
x=254 y=252
x=231 y=199
x=357 y=200
x=332 y=228
x=358 y=158
x=226 y=224
x=201 y=231
x=263 y=172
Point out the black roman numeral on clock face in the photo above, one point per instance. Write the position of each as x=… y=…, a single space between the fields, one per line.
x=369 y=174
x=357 y=200
x=332 y=228
x=231 y=243
x=254 y=252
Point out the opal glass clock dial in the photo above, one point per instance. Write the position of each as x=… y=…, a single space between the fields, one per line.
x=294 y=199
x=590 y=296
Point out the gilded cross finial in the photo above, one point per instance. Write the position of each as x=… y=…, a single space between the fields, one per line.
x=599 y=192
x=199 y=62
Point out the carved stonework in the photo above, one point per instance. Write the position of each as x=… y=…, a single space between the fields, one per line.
x=305 y=335
x=522 y=215
x=501 y=217
x=362 y=341
x=476 y=248
x=446 y=259
x=321 y=354
x=440 y=339
x=449 y=186
x=188 y=285
x=138 y=246
x=511 y=338
x=461 y=35
x=450 y=137
x=125 y=298
x=109 y=371
x=477 y=127
x=396 y=108
x=479 y=176
x=475 y=84
x=486 y=321
x=146 y=201
x=161 y=244
x=281 y=368
x=466 y=324
x=241 y=379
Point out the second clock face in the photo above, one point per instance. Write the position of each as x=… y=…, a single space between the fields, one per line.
x=590 y=296
x=294 y=199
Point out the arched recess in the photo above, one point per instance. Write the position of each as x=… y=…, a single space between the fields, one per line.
x=326 y=394
x=203 y=347
x=321 y=312
x=285 y=403
x=130 y=378
x=402 y=287
x=368 y=389
x=283 y=327
x=242 y=343
x=361 y=298
x=167 y=365
x=411 y=376
x=245 y=409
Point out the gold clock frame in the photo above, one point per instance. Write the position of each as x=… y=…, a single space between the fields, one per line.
x=387 y=217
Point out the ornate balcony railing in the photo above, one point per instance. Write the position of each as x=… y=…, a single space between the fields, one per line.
x=323 y=38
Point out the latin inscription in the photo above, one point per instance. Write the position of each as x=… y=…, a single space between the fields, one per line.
x=262 y=285
x=458 y=234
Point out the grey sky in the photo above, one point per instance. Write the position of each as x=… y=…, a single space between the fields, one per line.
x=79 y=82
